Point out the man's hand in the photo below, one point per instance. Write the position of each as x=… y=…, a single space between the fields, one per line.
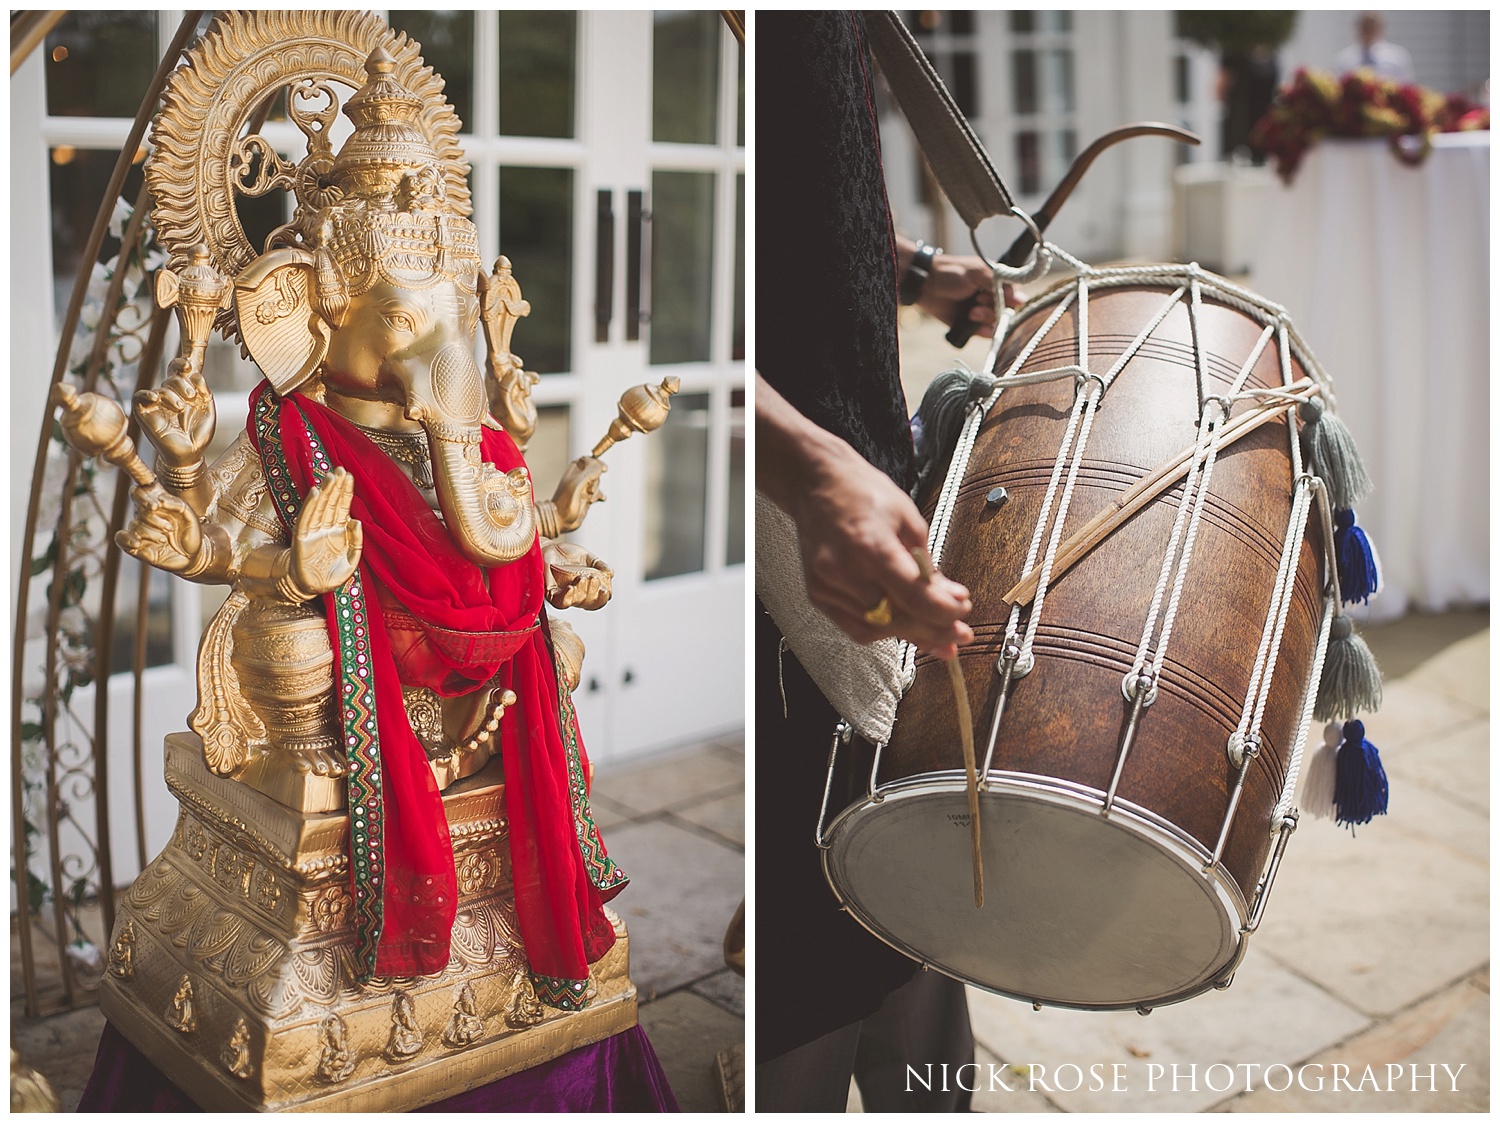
x=951 y=283
x=857 y=530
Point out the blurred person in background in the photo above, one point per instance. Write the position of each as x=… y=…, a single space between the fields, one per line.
x=1373 y=52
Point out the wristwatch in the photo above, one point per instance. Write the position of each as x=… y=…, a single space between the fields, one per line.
x=917 y=272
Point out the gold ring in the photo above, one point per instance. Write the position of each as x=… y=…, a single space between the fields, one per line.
x=880 y=615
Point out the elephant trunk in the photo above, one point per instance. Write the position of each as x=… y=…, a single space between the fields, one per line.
x=490 y=513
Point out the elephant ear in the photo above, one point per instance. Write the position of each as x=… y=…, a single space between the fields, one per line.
x=273 y=303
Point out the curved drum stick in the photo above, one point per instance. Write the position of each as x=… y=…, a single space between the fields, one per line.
x=966 y=736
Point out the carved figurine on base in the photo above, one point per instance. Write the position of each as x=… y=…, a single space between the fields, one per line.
x=384 y=690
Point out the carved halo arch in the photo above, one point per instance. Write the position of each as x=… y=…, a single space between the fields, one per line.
x=201 y=159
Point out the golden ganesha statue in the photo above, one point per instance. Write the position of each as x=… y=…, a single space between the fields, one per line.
x=385 y=863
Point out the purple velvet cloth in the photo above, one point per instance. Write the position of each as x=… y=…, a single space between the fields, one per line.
x=620 y=1073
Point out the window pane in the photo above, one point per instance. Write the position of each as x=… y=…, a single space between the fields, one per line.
x=447 y=41
x=677 y=490
x=1067 y=145
x=737 y=342
x=1023 y=79
x=536 y=233
x=965 y=84
x=77 y=179
x=1029 y=160
x=547 y=451
x=734 y=548
x=99 y=64
x=258 y=217
x=1023 y=21
x=1060 y=81
x=961 y=22
x=739 y=136
x=537 y=73
x=682 y=254
x=685 y=77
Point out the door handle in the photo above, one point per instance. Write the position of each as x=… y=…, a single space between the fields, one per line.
x=637 y=233
x=604 y=264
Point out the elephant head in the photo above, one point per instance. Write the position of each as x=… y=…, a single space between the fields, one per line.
x=376 y=294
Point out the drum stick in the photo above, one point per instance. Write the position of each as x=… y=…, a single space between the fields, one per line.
x=966 y=737
x=1102 y=525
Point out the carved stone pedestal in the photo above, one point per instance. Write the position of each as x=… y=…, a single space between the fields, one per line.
x=231 y=963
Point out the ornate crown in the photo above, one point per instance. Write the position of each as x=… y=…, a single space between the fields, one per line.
x=392 y=203
x=387 y=213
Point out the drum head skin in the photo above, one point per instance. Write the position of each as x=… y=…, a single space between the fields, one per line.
x=1080 y=910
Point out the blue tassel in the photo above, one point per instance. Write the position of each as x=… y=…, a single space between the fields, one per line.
x=1358 y=575
x=1360 y=792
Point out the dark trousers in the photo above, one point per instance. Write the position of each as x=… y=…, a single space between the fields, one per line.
x=923 y=1023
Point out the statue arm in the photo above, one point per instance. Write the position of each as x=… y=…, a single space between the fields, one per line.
x=575 y=577
x=575 y=493
x=324 y=552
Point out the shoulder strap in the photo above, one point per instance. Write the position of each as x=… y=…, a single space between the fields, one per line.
x=962 y=166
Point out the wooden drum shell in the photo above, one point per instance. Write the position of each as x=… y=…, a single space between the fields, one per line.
x=1066 y=718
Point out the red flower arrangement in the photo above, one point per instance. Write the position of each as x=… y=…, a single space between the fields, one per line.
x=1315 y=105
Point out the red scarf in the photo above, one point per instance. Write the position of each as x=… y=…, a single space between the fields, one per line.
x=455 y=626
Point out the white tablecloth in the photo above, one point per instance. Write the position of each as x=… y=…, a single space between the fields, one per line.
x=1385 y=271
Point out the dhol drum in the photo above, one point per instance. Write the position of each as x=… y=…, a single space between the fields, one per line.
x=1146 y=554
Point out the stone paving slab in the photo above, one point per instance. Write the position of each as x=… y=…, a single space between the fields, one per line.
x=1411 y=714
x=687 y=1032
x=726 y=989
x=671 y=780
x=724 y=816
x=1383 y=919
x=1454 y=761
x=1270 y=1015
x=1450 y=1029
x=683 y=893
x=1461 y=671
x=990 y=1091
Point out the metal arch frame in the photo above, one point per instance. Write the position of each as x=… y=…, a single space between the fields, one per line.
x=148 y=362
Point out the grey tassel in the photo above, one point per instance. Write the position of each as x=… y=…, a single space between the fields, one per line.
x=940 y=420
x=1333 y=456
x=1351 y=680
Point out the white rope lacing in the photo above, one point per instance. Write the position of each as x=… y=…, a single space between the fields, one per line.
x=958 y=467
x=1194 y=282
x=1259 y=691
x=1195 y=492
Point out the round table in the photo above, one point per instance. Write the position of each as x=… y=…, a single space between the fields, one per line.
x=1384 y=269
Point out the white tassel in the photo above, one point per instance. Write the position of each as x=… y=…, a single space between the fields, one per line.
x=1321 y=773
